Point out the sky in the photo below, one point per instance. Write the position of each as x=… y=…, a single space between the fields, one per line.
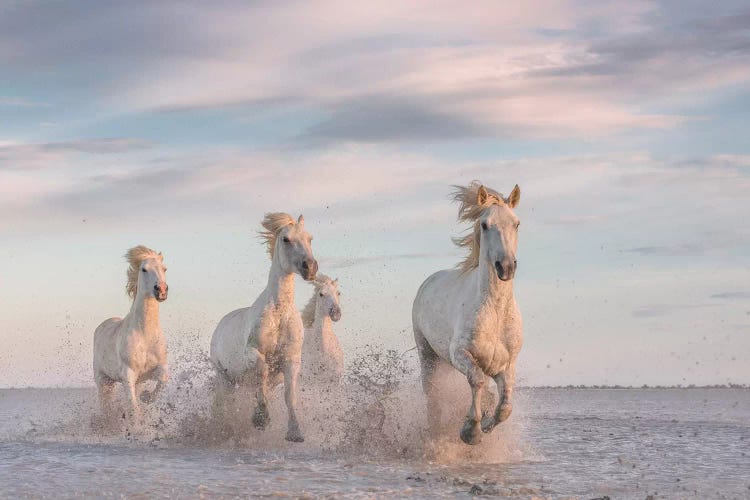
x=177 y=125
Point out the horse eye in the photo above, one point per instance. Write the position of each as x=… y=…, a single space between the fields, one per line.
x=286 y=240
x=143 y=270
x=484 y=226
x=321 y=294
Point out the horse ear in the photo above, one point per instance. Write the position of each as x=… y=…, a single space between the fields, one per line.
x=514 y=197
x=336 y=280
x=481 y=195
x=161 y=257
x=300 y=220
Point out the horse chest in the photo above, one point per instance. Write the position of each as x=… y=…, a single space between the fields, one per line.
x=277 y=329
x=489 y=338
x=145 y=351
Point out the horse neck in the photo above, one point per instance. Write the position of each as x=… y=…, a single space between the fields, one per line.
x=144 y=313
x=321 y=331
x=322 y=325
x=490 y=287
x=280 y=284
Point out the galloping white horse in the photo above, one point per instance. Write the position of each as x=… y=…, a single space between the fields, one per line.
x=133 y=349
x=469 y=316
x=322 y=357
x=259 y=344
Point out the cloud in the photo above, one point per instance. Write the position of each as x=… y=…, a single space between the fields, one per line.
x=657 y=310
x=393 y=72
x=19 y=102
x=18 y=156
x=97 y=146
x=209 y=181
x=445 y=84
x=375 y=119
x=731 y=295
x=573 y=220
x=346 y=262
x=669 y=250
x=644 y=197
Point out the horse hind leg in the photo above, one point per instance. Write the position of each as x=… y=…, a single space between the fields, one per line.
x=105 y=387
x=429 y=362
x=222 y=393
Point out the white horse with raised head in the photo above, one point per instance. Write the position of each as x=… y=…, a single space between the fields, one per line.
x=132 y=349
x=322 y=357
x=468 y=317
x=261 y=344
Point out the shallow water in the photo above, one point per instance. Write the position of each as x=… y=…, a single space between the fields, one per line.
x=559 y=443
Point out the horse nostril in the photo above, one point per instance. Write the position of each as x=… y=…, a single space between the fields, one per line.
x=305 y=265
x=156 y=287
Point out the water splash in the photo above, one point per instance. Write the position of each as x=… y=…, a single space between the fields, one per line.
x=378 y=412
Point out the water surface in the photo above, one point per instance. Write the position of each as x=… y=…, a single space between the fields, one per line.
x=559 y=443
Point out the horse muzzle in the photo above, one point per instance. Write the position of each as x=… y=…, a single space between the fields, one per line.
x=506 y=268
x=308 y=269
x=161 y=290
x=335 y=313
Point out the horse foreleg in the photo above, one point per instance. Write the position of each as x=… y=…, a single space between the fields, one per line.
x=505 y=407
x=291 y=376
x=161 y=375
x=505 y=381
x=465 y=363
x=131 y=400
x=260 y=416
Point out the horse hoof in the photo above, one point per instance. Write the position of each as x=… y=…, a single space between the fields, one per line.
x=294 y=437
x=260 y=419
x=471 y=433
x=488 y=423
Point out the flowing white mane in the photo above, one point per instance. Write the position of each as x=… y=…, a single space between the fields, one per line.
x=469 y=210
x=308 y=313
x=272 y=223
x=135 y=256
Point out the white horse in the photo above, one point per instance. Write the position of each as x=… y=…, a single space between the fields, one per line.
x=260 y=344
x=322 y=357
x=132 y=350
x=469 y=316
